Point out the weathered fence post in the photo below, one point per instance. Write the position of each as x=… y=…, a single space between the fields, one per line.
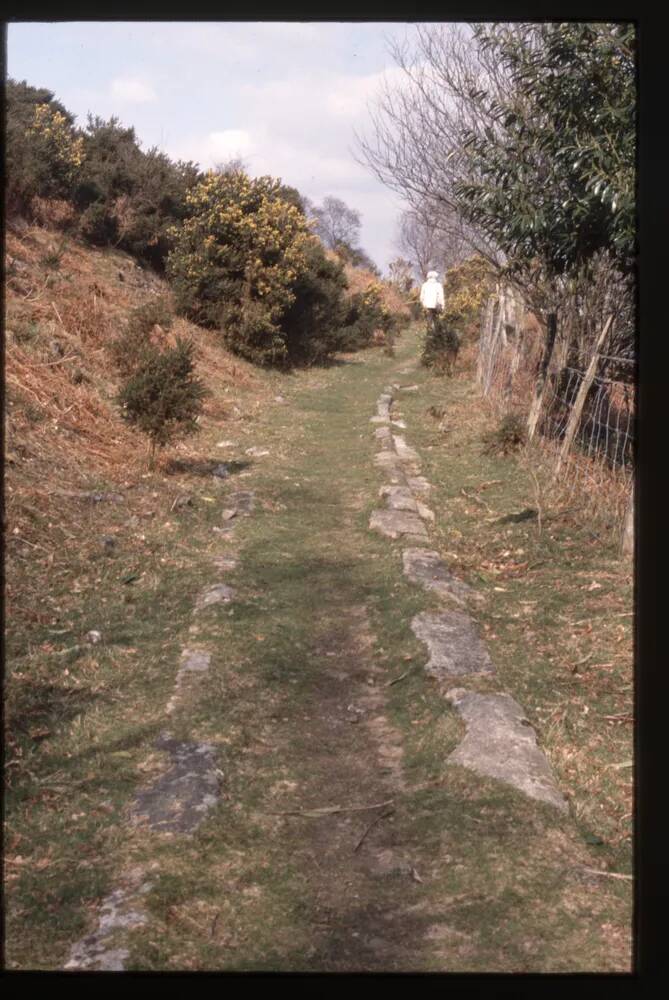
x=492 y=344
x=579 y=402
x=486 y=329
x=535 y=409
x=628 y=529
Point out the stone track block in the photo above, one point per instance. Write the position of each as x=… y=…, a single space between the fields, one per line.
x=500 y=743
x=453 y=642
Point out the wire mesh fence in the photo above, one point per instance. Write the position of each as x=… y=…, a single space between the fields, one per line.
x=583 y=421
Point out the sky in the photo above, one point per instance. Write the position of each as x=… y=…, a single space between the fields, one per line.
x=285 y=96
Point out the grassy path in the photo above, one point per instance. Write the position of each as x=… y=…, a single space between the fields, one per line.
x=342 y=841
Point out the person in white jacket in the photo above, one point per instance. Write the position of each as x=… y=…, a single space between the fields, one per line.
x=432 y=298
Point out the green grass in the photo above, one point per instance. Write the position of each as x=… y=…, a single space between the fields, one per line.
x=252 y=890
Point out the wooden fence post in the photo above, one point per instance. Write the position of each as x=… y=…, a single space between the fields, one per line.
x=579 y=402
x=628 y=529
x=492 y=344
x=484 y=338
x=537 y=402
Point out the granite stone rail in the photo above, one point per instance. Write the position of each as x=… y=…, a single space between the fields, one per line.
x=499 y=742
x=179 y=799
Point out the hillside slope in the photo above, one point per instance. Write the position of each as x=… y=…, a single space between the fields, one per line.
x=65 y=442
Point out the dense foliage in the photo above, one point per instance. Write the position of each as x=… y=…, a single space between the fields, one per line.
x=551 y=177
x=235 y=260
x=163 y=397
x=44 y=154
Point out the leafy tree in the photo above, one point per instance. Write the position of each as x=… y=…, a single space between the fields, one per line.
x=551 y=177
x=162 y=397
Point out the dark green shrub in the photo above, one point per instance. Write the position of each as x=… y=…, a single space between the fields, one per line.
x=130 y=348
x=312 y=325
x=365 y=314
x=509 y=436
x=98 y=226
x=163 y=397
x=128 y=197
x=441 y=344
x=44 y=154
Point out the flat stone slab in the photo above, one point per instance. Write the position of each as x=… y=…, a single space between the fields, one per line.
x=500 y=743
x=383 y=434
x=453 y=642
x=419 y=484
x=426 y=568
x=399 y=498
x=395 y=523
x=389 y=460
x=425 y=512
x=405 y=453
x=216 y=594
x=179 y=800
x=241 y=501
x=120 y=911
x=194 y=660
x=379 y=420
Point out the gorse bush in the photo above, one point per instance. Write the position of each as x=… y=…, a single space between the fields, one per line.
x=44 y=154
x=128 y=197
x=236 y=259
x=163 y=397
x=130 y=349
x=365 y=315
x=312 y=324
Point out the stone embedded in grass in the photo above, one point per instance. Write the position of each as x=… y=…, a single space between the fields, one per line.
x=395 y=523
x=399 y=423
x=179 y=800
x=379 y=420
x=399 y=498
x=194 y=660
x=500 y=743
x=409 y=388
x=383 y=434
x=224 y=562
x=120 y=911
x=425 y=512
x=426 y=568
x=405 y=453
x=216 y=594
x=257 y=452
x=241 y=501
x=419 y=484
x=389 y=461
x=453 y=642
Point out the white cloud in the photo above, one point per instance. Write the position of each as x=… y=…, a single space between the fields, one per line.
x=230 y=142
x=132 y=90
